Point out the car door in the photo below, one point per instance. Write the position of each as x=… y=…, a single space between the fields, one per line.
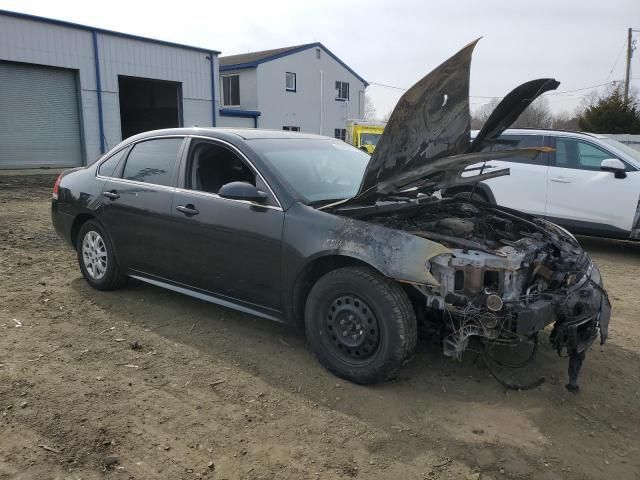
x=137 y=205
x=525 y=188
x=231 y=248
x=585 y=199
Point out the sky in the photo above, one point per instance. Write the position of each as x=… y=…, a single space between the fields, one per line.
x=581 y=43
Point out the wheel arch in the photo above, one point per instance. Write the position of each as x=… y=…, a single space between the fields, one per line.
x=481 y=189
x=313 y=270
x=78 y=221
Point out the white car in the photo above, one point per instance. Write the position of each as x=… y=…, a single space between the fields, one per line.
x=590 y=184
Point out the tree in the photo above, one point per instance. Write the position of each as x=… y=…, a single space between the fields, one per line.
x=482 y=114
x=610 y=113
x=369 y=109
x=536 y=115
x=565 y=121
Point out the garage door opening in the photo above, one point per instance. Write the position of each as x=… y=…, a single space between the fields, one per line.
x=148 y=105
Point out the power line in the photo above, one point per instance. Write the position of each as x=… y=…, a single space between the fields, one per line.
x=624 y=44
x=492 y=97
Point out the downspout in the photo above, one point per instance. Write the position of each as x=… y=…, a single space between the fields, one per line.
x=320 y=132
x=213 y=90
x=96 y=62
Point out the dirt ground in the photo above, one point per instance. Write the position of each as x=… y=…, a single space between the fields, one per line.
x=171 y=387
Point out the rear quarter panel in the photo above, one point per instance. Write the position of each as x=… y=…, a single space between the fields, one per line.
x=79 y=192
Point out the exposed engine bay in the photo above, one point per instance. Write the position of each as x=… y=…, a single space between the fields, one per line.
x=508 y=276
x=491 y=275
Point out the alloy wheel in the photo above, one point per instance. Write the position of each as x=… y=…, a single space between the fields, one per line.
x=94 y=255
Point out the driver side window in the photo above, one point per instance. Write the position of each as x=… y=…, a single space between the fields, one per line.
x=211 y=166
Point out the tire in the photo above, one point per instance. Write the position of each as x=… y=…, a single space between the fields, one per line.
x=360 y=325
x=96 y=258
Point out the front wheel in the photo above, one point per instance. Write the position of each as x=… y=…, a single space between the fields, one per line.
x=97 y=259
x=360 y=325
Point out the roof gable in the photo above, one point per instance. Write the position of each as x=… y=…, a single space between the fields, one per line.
x=253 y=59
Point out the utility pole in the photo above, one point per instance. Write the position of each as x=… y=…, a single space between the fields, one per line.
x=628 y=71
x=630 y=49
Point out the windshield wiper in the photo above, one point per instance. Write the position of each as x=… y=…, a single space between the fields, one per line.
x=325 y=201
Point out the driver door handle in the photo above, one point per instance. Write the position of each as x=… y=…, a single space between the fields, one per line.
x=112 y=195
x=188 y=209
x=560 y=180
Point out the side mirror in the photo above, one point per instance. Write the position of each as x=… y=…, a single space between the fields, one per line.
x=614 y=165
x=242 y=191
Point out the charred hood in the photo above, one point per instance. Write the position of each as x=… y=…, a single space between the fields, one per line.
x=426 y=144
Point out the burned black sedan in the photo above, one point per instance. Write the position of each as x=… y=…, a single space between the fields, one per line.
x=362 y=250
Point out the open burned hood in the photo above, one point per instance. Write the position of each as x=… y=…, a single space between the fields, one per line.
x=426 y=144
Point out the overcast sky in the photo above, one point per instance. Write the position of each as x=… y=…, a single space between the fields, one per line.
x=396 y=42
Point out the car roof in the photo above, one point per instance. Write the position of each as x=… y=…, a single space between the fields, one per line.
x=546 y=131
x=218 y=132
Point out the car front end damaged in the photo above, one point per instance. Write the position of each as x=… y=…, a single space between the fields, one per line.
x=507 y=275
x=503 y=278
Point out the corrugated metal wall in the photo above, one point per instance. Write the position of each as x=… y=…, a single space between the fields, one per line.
x=40 y=42
x=39 y=117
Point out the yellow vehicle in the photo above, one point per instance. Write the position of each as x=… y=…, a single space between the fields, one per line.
x=364 y=134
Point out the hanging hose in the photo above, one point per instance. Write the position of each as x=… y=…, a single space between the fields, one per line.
x=489 y=359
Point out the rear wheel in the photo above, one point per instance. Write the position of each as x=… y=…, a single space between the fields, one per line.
x=96 y=257
x=360 y=325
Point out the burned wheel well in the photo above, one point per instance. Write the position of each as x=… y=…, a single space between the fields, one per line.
x=481 y=190
x=312 y=273
x=77 y=224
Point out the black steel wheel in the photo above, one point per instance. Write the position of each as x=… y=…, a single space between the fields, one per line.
x=360 y=325
x=352 y=329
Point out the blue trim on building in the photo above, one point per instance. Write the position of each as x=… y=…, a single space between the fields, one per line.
x=96 y=62
x=80 y=26
x=213 y=90
x=235 y=112
x=240 y=66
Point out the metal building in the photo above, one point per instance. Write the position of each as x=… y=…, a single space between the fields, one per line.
x=301 y=88
x=69 y=92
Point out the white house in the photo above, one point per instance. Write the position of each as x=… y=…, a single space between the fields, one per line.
x=301 y=88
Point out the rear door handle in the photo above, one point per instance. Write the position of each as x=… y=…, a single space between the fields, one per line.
x=560 y=180
x=188 y=209
x=113 y=195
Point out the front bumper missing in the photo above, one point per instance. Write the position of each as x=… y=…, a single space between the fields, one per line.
x=579 y=313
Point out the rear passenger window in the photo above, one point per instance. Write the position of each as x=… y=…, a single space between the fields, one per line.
x=153 y=161
x=109 y=166
x=509 y=142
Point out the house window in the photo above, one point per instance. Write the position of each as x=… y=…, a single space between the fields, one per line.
x=231 y=90
x=317 y=53
x=340 y=133
x=291 y=129
x=342 y=91
x=290 y=82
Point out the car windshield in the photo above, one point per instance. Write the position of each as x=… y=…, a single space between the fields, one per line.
x=632 y=152
x=369 y=139
x=318 y=170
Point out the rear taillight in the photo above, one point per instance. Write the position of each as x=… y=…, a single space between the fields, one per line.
x=56 y=185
